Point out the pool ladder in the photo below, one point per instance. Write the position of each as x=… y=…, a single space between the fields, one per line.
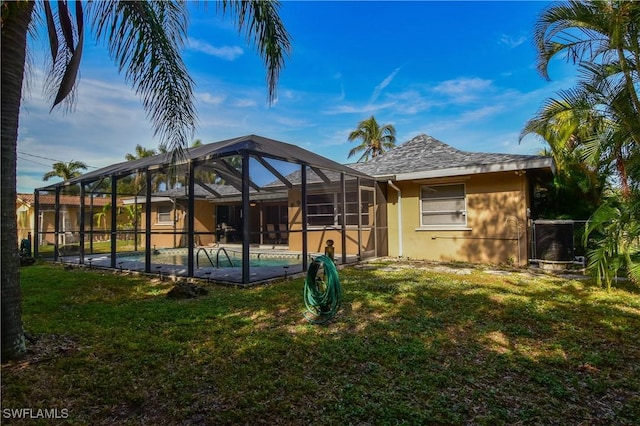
x=217 y=264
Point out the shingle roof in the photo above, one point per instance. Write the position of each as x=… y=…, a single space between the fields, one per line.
x=226 y=192
x=50 y=199
x=425 y=155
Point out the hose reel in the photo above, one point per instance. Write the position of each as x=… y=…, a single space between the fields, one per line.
x=322 y=290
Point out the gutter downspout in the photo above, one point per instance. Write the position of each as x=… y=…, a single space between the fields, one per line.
x=391 y=184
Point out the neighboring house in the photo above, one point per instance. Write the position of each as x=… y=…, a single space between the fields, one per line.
x=69 y=217
x=444 y=204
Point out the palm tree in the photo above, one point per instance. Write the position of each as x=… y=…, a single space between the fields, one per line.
x=602 y=38
x=133 y=186
x=65 y=171
x=577 y=187
x=144 y=38
x=595 y=31
x=614 y=232
x=140 y=152
x=374 y=139
x=202 y=174
x=598 y=120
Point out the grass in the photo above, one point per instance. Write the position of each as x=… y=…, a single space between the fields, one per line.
x=411 y=345
x=98 y=247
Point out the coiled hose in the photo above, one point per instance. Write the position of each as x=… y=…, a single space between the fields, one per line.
x=322 y=297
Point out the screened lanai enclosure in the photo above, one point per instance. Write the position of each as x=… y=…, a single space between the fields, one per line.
x=239 y=211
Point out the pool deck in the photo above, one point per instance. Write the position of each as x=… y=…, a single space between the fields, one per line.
x=228 y=275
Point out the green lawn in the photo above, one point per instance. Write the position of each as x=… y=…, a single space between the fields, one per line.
x=98 y=247
x=410 y=345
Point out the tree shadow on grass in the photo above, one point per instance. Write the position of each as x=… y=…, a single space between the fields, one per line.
x=408 y=346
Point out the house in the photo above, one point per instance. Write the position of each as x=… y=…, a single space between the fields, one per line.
x=432 y=201
x=423 y=199
x=69 y=217
x=444 y=204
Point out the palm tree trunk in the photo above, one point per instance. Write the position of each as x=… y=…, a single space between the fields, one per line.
x=622 y=173
x=629 y=81
x=14 y=41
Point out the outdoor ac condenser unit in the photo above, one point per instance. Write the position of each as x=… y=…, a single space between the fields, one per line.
x=553 y=240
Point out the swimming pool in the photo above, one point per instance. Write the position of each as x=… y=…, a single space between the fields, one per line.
x=206 y=258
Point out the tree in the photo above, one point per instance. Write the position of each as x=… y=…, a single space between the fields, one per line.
x=614 y=233
x=577 y=186
x=132 y=186
x=144 y=38
x=140 y=152
x=202 y=174
x=602 y=38
x=65 y=171
x=597 y=32
x=374 y=139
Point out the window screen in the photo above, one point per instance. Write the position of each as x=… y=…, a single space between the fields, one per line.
x=164 y=213
x=443 y=205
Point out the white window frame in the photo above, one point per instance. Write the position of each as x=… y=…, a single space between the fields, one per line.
x=444 y=226
x=332 y=200
x=336 y=214
x=159 y=214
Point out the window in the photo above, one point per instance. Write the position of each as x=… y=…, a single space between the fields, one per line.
x=164 y=214
x=322 y=209
x=351 y=212
x=443 y=205
x=325 y=209
x=365 y=210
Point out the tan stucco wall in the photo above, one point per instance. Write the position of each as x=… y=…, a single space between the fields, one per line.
x=496 y=222
x=317 y=240
x=26 y=216
x=317 y=237
x=204 y=221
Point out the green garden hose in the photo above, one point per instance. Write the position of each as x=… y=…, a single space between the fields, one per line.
x=322 y=297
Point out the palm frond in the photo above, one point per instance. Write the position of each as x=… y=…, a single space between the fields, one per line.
x=65 y=24
x=61 y=78
x=583 y=31
x=144 y=39
x=71 y=69
x=263 y=28
x=51 y=31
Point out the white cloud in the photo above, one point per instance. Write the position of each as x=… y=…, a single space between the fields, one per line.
x=210 y=99
x=107 y=122
x=480 y=113
x=463 y=90
x=245 y=103
x=229 y=53
x=462 y=86
x=293 y=123
x=350 y=109
x=511 y=41
x=288 y=94
x=380 y=87
x=410 y=102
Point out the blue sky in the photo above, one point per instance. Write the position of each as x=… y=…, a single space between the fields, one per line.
x=462 y=72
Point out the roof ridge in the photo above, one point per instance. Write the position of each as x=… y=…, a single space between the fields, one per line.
x=420 y=138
